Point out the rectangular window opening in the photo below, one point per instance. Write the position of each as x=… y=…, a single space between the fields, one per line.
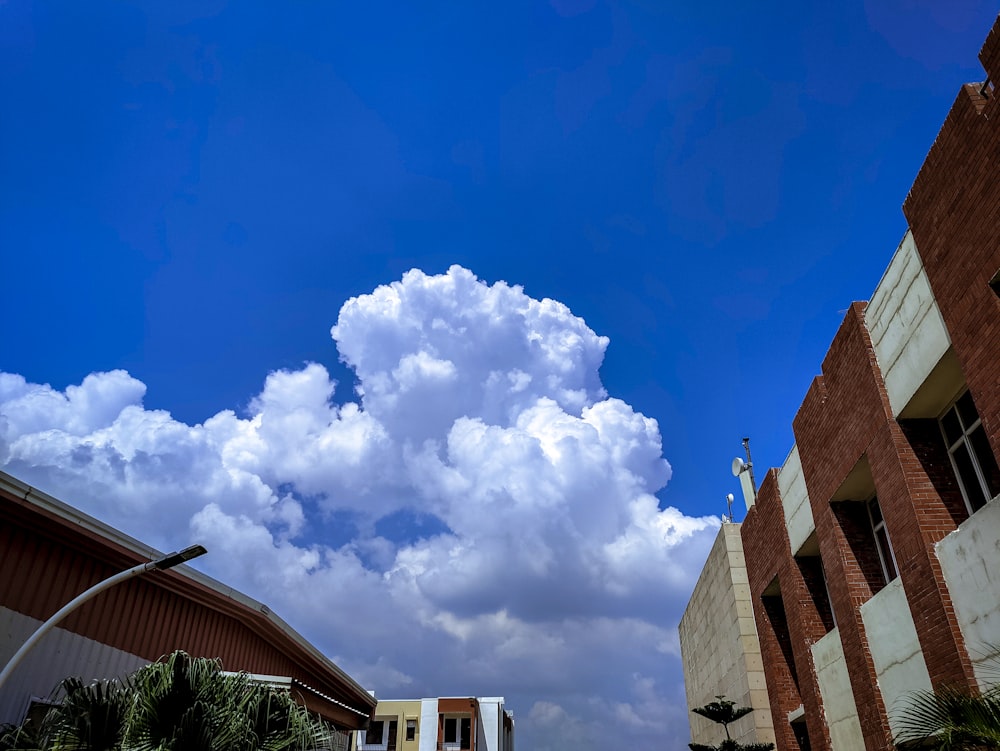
x=375 y=735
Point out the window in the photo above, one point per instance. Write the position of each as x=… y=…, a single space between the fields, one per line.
x=411 y=730
x=881 y=535
x=801 y=735
x=971 y=455
x=375 y=734
x=450 y=730
x=829 y=600
x=458 y=730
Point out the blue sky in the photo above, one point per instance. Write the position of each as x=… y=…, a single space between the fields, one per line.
x=191 y=192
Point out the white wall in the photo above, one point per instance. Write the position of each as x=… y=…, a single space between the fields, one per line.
x=428 y=725
x=905 y=325
x=59 y=654
x=970 y=562
x=490 y=723
x=892 y=640
x=795 y=501
x=835 y=689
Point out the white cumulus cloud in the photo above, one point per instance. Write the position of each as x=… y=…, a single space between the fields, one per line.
x=478 y=518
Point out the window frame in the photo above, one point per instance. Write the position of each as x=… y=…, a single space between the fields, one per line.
x=880 y=530
x=965 y=440
x=462 y=725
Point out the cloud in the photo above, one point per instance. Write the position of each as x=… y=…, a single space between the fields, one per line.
x=478 y=518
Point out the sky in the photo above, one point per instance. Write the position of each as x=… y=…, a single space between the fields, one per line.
x=439 y=324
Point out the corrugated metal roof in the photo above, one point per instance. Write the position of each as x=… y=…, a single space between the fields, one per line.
x=50 y=552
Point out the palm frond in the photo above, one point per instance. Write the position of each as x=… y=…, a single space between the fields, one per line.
x=950 y=718
x=90 y=717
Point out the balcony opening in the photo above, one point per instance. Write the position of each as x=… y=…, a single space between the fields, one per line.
x=811 y=567
x=457 y=733
x=774 y=609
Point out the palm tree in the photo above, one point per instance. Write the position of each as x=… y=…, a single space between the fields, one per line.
x=178 y=704
x=23 y=738
x=951 y=719
x=724 y=712
x=955 y=719
x=90 y=718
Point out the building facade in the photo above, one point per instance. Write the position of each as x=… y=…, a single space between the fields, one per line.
x=719 y=646
x=440 y=724
x=873 y=553
x=50 y=553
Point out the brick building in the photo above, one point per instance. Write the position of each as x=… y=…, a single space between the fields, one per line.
x=872 y=554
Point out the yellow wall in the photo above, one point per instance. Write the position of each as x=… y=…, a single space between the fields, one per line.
x=401 y=711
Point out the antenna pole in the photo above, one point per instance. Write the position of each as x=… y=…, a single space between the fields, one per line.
x=753 y=482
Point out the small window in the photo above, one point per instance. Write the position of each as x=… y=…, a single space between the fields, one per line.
x=801 y=734
x=881 y=535
x=450 y=730
x=411 y=730
x=970 y=452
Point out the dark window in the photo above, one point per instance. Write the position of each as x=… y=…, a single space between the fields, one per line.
x=801 y=736
x=375 y=732
x=411 y=730
x=971 y=455
x=881 y=535
x=466 y=732
x=390 y=743
x=458 y=730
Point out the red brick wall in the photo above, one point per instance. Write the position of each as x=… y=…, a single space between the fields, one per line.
x=917 y=517
x=954 y=211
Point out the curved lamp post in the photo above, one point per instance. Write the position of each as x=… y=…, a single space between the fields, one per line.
x=167 y=561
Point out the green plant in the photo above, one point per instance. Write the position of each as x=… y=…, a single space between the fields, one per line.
x=180 y=703
x=954 y=718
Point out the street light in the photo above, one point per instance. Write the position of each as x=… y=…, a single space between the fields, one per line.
x=168 y=561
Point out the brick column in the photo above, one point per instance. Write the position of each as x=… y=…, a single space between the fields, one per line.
x=788 y=621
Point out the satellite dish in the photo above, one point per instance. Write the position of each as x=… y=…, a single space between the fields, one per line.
x=738 y=466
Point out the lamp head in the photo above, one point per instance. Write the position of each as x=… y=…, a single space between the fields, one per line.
x=173 y=559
